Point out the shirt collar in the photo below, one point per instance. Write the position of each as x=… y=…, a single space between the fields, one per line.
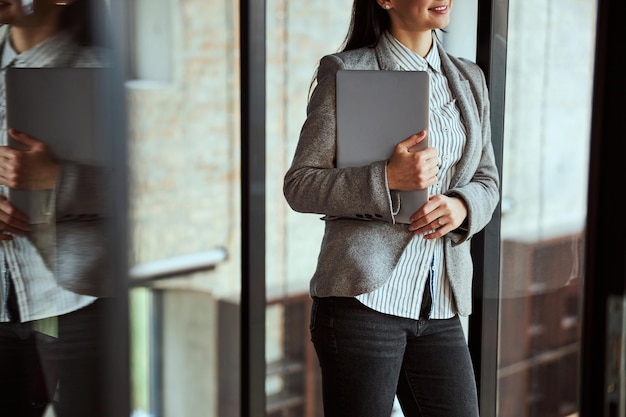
x=43 y=54
x=409 y=60
x=8 y=54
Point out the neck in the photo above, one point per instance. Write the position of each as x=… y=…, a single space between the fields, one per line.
x=419 y=42
x=24 y=37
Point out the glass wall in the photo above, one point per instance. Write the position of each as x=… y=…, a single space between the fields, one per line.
x=299 y=33
x=62 y=201
x=184 y=151
x=547 y=119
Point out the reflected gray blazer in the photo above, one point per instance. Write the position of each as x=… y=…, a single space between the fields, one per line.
x=362 y=243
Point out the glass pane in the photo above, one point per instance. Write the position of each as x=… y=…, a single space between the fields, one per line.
x=59 y=267
x=183 y=108
x=550 y=53
x=299 y=32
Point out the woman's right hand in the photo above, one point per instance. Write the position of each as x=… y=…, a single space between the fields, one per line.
x=12 y=220
x=409 y=170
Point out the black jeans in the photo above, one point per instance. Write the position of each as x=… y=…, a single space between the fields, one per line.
x=367 y=357
x=36 y=369
x=24 y=388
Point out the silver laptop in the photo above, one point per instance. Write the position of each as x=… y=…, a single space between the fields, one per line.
x=63 y=107
x=375 y=110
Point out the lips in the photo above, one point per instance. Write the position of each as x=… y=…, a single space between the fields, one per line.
x=440 y=9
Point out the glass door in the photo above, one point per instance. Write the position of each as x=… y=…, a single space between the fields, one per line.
x=298 y=32
x=183 y=92
x=550 y=50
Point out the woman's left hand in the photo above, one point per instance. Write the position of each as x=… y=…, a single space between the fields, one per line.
x=441 y=214
x=31 y=168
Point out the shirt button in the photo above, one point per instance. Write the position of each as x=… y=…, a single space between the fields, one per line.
x=446 y=158
x=446 y=129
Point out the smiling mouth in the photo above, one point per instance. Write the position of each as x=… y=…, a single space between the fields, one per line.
x=440 y=8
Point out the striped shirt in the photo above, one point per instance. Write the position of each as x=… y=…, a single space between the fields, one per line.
x=29 y=261
x=423 y=259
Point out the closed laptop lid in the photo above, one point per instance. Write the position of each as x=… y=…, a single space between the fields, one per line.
x=376 y=109
x=64 y=108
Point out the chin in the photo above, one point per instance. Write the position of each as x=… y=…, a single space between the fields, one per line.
x=443 y=24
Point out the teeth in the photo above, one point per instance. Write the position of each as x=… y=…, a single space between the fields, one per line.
x=440 y=8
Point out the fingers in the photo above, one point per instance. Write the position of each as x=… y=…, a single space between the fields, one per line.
x=411 y=169
x=7 y=232
x=15 y=228
x=432 y=229
x=439 y=228
x=12 y=220
x=440 y=215
x=411 y=143
x=24 y=138
x=27 y=164
x=9 y=172
x=7 y=153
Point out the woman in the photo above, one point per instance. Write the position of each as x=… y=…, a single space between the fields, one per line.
x=53 y=276
x=386 y=296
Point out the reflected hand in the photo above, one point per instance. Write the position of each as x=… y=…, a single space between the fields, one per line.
x=12 y=221
x=31 y=168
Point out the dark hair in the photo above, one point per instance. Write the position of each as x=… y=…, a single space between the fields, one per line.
x=84 y=20
x=367 y=23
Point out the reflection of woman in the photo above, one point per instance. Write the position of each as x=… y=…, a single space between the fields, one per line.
x=387 y=297
x=53 y=270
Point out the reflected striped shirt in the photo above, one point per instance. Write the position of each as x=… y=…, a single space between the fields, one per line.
x=402 y=294
x=29 y=261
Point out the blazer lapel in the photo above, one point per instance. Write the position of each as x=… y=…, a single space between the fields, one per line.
x=461 y=90
x=384 y=56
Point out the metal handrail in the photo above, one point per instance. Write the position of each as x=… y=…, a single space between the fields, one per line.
x=146 y=273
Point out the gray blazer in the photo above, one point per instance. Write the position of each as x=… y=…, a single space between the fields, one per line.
x=362 y=243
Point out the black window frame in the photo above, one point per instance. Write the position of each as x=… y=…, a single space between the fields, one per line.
x=605 y=249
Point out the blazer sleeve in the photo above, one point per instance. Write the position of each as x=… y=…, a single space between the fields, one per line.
x=80 y=192
x=481 y=193
x=313 y=183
